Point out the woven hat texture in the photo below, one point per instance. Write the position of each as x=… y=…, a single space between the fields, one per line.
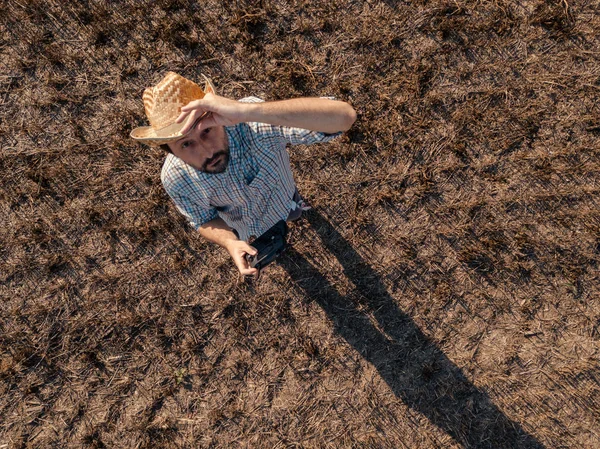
x=163 y=104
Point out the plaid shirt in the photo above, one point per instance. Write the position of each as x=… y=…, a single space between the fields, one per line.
x=256 y=189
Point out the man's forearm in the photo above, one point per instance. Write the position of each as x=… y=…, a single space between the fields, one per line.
x=315 y=114
x=218 y=232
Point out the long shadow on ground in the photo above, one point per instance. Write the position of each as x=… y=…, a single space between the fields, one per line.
x=415 y=369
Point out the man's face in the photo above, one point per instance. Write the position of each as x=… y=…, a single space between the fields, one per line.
x=206 y=150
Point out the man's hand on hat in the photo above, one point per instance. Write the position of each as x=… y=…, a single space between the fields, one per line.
x=212 y=110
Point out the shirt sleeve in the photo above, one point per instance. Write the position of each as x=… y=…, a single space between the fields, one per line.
x=293 y=136
x=197 y=212
x=193 y=206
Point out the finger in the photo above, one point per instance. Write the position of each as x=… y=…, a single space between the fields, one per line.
x=249 y=272
x=192 y=108
x=251 y=250
x=182 y=116
x=195 y=104
x=242 y=264
x=189 y=124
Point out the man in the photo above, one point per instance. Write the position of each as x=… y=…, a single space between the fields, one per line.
x=228 y=170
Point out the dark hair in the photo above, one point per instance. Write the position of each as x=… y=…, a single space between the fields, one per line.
x=165 y=147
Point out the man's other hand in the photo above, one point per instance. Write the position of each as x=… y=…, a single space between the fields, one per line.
x=238 y=250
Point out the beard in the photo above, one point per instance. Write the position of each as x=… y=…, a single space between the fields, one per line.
x=217 y=163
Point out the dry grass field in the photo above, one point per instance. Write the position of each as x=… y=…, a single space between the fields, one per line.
x=444 y=292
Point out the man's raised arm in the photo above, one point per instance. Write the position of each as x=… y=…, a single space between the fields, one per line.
x=314 y=114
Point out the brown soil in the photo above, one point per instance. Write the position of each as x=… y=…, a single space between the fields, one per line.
x=443 y=294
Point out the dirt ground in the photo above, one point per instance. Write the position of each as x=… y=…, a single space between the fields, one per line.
x=444 y=293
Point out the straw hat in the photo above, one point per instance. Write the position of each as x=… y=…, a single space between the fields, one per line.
x=163 y=104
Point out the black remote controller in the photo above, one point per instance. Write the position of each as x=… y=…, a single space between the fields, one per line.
x=269 y=246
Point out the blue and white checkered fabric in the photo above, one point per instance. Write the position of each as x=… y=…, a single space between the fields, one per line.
x=256 y=189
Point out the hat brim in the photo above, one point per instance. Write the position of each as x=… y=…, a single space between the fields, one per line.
x=152 y=136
